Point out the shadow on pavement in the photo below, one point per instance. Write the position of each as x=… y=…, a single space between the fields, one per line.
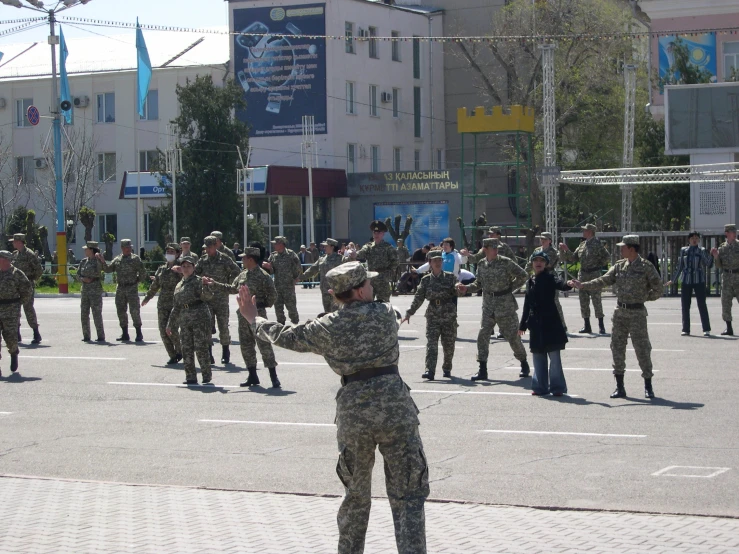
x=661 y=402
x=269 y=392
x=18 y=378
x=34 y=346
x=407 y=338
x=578 y=401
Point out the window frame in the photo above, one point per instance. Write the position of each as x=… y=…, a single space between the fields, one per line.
x=396 y=103
x=105 y=96
x=417 y=160
x=395 y=46
x=349 y=39
x=727 y=55
x=146 y=157
x=147 y=228
x=102 y=160
x=21 y=109
x=373 y=89
x=417 y=113
x=374 y=47
x=147 y=107
x=25 y=166
x=351 y=157
x=102 y=225
x=375 y=158
x=397 y=158
x=417 y=57
x=351 y=98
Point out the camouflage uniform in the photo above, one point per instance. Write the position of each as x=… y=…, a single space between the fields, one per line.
x=91 y=296
x=321 y=267
x=27 y=261
x=383 y=259
x=503 y=250
x=165 y=281
x=227 y=252
x=728 y=262
x=15 y=289
x=286 y=268
x=592 y=256
x=192 y=254
x=634 y=283
x=553 y=255
x=403 y=254
x=441 y=317
x=498 y=279
x=191 y=315
x=130 y=271
x=378 y=411
x=221 y=269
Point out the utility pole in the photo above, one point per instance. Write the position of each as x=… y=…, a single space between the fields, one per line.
x=549 y=171
x=310 y=159
x=627 y=191
x=173 y=159
x=244 y=182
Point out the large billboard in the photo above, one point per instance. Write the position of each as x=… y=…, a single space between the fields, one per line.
x=282 y=71
x=701 y=53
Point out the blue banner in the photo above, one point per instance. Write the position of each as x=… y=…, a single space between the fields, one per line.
x=701 y=53
x=430 y=221
x=282 y=72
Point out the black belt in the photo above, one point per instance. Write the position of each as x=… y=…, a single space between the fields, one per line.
x=636 y=306
x=509 y=290
x=193 y=304
x=10 y=301
x=369 y=373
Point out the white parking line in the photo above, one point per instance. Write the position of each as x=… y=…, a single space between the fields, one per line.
x=5 y=413
x=179 y=386
x=629 y=349
x=588 y=369
x=71 y=358
x=560 y=433
x=267 y=422
x=499 y=393
x=669 y=472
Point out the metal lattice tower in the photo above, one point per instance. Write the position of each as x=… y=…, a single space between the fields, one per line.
x=627 y=190
x=173 y=165
x=549 y=171
x=660 y=175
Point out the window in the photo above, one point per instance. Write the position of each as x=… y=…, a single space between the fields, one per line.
x=395 y=45
x=417 y=160
x=375 y=156
x=417 y=112
x=396 y=102
x=349 y=34
x=351 y=107
x=439 y=159
x=351 y=158
x=397 y=159
x=25 y=170
x=152 y=228
x=21 y=107
x=106 y=167
x=151 y=106
x=373 y=49
x=107 y=223
x=148 y=159
x=373 y=100
x=731 y=61
x=106 y=107
x=416 y=58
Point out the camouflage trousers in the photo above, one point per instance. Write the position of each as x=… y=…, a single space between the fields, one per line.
x=729 y=292
x=329 y=303
x=92 y=300
x=127 y=296
x=586 y=296
x=220 y=312
x=286 y=299
x=249 y=344
x=382 y=288
x=10 y=315
x=195 y=339
x=446 y=329
x=29 y=310
x=507 y=320
x=380 y=413
x=634 y=323
x=171 y=343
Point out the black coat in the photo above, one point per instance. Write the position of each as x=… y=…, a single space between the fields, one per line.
x=540 y=316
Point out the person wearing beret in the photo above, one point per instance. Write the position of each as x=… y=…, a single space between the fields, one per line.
x=91 y=294
x=15 y=290
x=727 y=260
x=381 y=258
x=27 y=261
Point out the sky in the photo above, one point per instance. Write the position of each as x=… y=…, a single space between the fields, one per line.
x=180 y=13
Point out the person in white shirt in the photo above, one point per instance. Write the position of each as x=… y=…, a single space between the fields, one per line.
x=452 y=261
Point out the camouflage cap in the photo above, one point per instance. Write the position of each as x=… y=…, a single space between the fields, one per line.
x=280 y=239
x=629 y=240
x=185 y=239
x=217 y=234
x=490 y=243
x=19 y=236
x=187 y=259
x=401 y=242
x=729 y=227
x=347 y=276
x=6 y=254
x=251 y=251
x=210 y=240
x=494 y=229
x=126 y=243
x=173 y=246
x=539 y=254
x=545 y=235
x=330 y=242
x=433 y=254
x=378 y=226
x=589 y=227
x=92 y=244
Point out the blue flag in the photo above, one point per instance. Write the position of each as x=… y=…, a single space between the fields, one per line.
x=63 y=74
x=143 y=70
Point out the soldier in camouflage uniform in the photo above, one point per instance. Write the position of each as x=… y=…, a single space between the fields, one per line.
x=165 y=280
x=191 y=315
x=592 y=256
x=553 y=256
x=403 y=252
x=222 y=247
x=130 y=271
x=382 y=258
x=438 y=287
x=91 y=293
x=27 y=261
x=285 y=265
x=221 y=269
x=325 y=264
x=498 y=277
x=373 y=408
x=727 y=260
x=635 y=281
x=185 y=245
x=263 y=289
x=15 y=289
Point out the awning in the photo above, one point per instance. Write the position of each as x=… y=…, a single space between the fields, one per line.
x=293 y=181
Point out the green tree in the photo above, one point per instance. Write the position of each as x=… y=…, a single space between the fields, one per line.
x=683 y=71
x=87 y=218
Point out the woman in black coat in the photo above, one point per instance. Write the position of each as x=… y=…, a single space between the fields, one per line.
x=541 y=318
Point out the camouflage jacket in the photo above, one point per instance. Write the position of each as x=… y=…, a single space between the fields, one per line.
x=14 y=284
x=361 y=335
x=498 y=275
x=503 y=250
x=553 y=259
x=220 y=268
x=403 y=254
x=440 y=291
x=165 y=280
x=227 y=252
x=728 y=256
x=90 y=268
x=260 y=285
x=28 y=262
x=591 y=254
x=193 y=254
x=193 y=293
x=285 y=266
x=382 y=258
x=130 y=269
x=634 y=283
x=323 y=266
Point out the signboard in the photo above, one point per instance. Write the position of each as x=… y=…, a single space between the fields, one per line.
x=257 y=184
x=33 y=115
x=282 y=72
x=430 y=221
x=404 y=182
x=152 y=185
x=701 y=53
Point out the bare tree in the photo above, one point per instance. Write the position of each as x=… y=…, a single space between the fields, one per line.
x=13 y=187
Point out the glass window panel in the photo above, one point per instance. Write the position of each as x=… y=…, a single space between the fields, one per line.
x=349 y=33
x=417 y=160
x=417 y=112
x=294 y=235
x=373 y=47
x=21 y=106
x=395 y=46
x=396 y=102
x=291 y=210
x=373 y=100
x=274 y=210
x=416 y=58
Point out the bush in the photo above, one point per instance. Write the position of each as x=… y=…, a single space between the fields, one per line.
x=47 y=280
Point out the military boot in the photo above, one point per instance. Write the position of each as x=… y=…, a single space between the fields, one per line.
x=124 y=335
x=14 y=362
x=226 y=355
x=428 y=374
x=36 y=336
x=139 y=336
x=447 y=373
x=252 y=379
x=620 y=391
x=210 y=353
x=648 y=390
x=273 y=377
x=601 y=326
x=525 y=369
x=586 y=328
x=729 y=331
x=482 y=373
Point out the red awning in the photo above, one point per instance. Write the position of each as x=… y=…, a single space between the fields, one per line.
x=293 y=181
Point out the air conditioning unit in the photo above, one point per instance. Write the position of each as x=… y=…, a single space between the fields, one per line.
x=362 y=33
x=40 y=163
x=386 y=97
x=81 y=101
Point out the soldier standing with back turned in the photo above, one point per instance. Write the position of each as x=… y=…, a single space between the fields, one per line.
x=285 y=265
x=15 y=289
x=325 y=264
x=727 y=259
x=130 y=271
x=27 y=261
x=382 y=258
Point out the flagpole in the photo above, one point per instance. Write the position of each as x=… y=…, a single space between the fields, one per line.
x=143 y=76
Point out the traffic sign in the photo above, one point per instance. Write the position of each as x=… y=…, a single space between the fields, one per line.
x=33 y=115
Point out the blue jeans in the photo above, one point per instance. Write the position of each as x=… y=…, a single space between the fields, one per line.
x=551 y=379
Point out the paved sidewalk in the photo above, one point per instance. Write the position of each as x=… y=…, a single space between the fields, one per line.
x=46 y=515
